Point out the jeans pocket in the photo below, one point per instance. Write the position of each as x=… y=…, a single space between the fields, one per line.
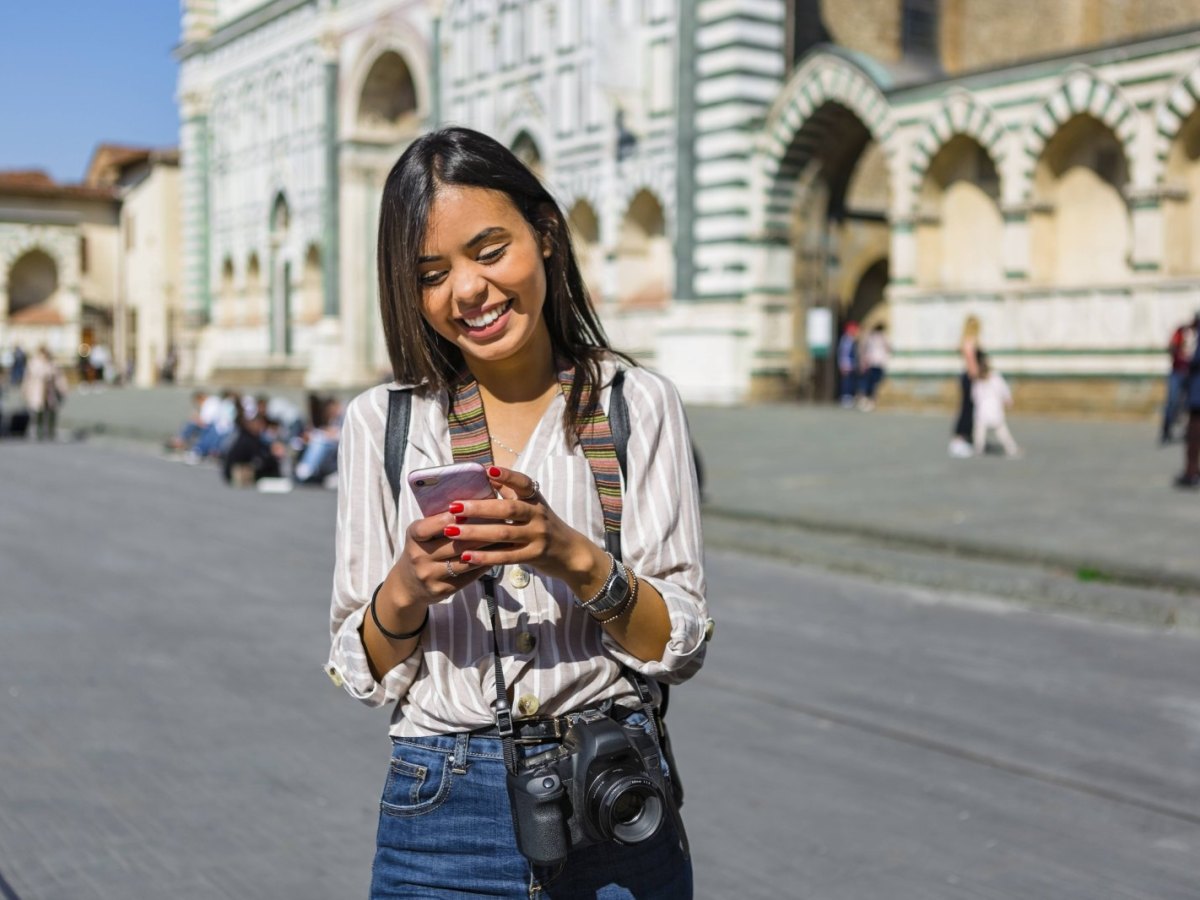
x=418 y=780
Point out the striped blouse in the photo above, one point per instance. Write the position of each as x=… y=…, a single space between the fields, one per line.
x=555 y=657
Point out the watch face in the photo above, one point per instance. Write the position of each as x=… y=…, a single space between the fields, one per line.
x=616 y=591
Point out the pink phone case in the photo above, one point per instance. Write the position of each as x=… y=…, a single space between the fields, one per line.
x=437 y=487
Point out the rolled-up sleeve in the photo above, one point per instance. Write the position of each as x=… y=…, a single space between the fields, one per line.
x=661 y=532
x=364 y=552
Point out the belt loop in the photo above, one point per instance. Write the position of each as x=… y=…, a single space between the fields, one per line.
x=459 y=762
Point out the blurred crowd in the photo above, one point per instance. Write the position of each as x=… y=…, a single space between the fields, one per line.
x=262 y=440
x=32 y=391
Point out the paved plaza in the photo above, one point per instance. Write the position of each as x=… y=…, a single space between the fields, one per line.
x=169 y=732
x=1087 y=520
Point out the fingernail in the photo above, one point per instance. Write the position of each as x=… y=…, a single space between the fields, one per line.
x=494 y=472
x=456 y=507
x=466 y=557
x=461 y=519
x=451 y=531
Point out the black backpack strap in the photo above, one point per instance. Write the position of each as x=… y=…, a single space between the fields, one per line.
x=396 y=437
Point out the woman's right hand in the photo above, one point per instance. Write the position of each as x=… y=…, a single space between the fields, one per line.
x=421 y=568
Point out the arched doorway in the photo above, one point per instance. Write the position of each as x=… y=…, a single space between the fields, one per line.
x=1181 y=204
x=32 y=281
x=1080 y=228
x=644 y=256
x=960 y=229
x=839 y=234
x=387 y=104
x=584 y=225
x=525 y=148
x=281 y=278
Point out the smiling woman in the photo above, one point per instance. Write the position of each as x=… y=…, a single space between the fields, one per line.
x=593 y=581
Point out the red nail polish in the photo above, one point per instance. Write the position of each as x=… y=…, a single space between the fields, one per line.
x=466 y=557
x=456 y=507
x=494 y=472
x=451 y=531
x=461 y=519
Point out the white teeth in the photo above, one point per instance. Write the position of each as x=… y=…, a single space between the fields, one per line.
x=488 y=317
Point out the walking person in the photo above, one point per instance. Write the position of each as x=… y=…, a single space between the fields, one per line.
x=1181 y=348
x=1191 y=397
x=848 y=365
x=16 y=374
x=493 y=338
x=45 y=388
x=990 y=398
x=962 y=441
x=876 y=353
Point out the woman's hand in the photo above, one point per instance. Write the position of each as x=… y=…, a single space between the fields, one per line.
x=421 y=569
x=521 y=528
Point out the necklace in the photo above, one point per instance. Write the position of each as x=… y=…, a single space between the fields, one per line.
x=503 y=446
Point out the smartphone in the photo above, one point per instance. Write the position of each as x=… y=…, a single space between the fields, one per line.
x=437 y=487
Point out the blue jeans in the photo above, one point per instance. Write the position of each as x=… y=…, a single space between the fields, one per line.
x=446 y=830
x=1174 y=404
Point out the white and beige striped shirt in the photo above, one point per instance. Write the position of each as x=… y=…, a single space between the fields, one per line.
x=556 y=658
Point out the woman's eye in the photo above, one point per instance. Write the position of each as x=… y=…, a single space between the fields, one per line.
x=493 y=255
x=431 y=278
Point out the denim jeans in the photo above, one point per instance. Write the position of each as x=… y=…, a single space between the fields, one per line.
x=1174 y=403
x=446 y=830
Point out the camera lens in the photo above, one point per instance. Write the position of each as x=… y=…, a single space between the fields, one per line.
x=626 y=808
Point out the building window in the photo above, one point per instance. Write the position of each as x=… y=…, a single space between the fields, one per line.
x=83 y=254
x=129 y=232
x=919 y=28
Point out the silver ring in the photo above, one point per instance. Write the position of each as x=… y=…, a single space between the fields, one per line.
x=450 y=573
x=532 y=494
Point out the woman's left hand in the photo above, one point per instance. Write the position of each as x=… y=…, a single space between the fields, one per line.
x=521 y=526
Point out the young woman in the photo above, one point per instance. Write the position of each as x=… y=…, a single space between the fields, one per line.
x=961 y=442
x=483 y=302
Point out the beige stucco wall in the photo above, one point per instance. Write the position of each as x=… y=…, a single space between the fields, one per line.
x=151 y=266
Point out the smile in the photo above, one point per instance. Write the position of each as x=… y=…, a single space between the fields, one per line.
x=488 y=317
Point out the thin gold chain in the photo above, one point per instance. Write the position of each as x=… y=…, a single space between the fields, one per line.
x=503 y=446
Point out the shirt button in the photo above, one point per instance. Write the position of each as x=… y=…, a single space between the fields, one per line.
x=528 y=705
x=518 y=577
x=526 y=642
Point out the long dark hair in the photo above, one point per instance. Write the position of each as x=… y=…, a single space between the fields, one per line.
x=460 y=156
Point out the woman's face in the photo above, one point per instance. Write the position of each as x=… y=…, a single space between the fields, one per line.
x=482 y=274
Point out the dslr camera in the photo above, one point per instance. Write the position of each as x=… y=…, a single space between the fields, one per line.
x=603 y=783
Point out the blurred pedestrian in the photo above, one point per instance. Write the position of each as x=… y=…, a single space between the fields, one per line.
x=962 y=442
x=16 y=374
x=848 y=364
x=990 y=398
x=1191 y=397
x=319 y=459
x=876 y=352
x=45 y=388
x=1181 y=348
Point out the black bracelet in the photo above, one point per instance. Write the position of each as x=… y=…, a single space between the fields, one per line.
x=394 y=635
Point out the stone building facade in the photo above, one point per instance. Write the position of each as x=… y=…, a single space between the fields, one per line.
x=94 y=263
x=743 y=176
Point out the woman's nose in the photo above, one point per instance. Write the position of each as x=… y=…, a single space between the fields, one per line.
x=468 y=285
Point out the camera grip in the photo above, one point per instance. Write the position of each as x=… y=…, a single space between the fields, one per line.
x=537 y=808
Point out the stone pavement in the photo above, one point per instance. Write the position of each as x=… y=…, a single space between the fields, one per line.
x=1090 y=502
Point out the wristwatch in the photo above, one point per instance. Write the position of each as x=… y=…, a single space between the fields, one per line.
x=612 y=593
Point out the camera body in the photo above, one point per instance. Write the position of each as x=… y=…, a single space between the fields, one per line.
x=604 y=783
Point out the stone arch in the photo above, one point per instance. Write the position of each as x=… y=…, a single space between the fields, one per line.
x=826 y=79
x=312 y=300
x=960 y=114
x=227 y=304
x=644 y=254
x=398 y=44
x=1080 y=226
x=528 y=150
x=32 y=279
x=1082 y=93
x=958 y=219
x=583 y=221
x=1170 y=115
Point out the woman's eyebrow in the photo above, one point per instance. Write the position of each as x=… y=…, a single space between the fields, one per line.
x=471 y=244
